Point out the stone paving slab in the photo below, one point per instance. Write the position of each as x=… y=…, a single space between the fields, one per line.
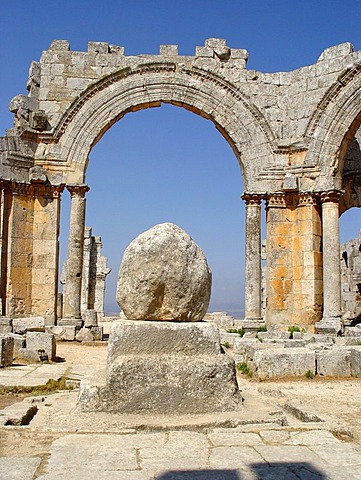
x=18 y=468
x=31 y=375
x=190 y=456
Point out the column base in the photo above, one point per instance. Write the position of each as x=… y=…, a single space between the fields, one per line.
x=250 y=324
x=69 y=321
x=329 y=326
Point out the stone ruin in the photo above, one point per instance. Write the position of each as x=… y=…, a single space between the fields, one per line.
x=294 y=134
x=158 y=364
x=94 y=272
x=351 y=281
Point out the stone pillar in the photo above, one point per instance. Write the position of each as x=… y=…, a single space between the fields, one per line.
x=253 y=276
x=331 y=319
x=45 y=255
x=74 y=263
x=294 y=260
x=17 y=250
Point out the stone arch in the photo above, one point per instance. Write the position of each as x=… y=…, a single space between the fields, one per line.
x=202 y=92
x=332 y=127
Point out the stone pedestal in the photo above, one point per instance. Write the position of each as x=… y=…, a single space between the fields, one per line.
x=163 y=368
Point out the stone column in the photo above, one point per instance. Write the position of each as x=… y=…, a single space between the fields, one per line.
x=253 y=274
x=74 y=263
x=331 y=319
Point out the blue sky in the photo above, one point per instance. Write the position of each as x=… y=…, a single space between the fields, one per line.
x=167 y=164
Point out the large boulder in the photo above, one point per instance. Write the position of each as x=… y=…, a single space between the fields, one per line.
x=164 y=275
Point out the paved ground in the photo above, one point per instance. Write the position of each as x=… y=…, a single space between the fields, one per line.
x=263 y=441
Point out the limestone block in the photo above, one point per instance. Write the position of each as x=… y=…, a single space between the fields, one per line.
x=355 y=359
x=6 y=351
x=283 y=362
x=84 y=335
x=165 y=384
x=33 y=355
x=97 y=333
x=168 y=50
x=30 y=324
x=42 y=341
x=6 y=325
x=162 y=338
x=335 y=362
x=66 y=333
x=90 y=318
x=248 y=347
x=19 y=342
x=164 y=276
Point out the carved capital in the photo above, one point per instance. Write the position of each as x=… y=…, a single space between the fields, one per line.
x=252 y=198
x=277 y=199
x=78 y=190
x=331 y=196
x=307 y=198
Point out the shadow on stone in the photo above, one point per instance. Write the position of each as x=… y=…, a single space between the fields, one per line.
x=287 y=470
x=261 y=471
x=200 y=475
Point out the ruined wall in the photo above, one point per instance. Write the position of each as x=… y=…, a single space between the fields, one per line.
x=351 y=280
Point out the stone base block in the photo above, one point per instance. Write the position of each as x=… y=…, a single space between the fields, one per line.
x=70 y=322
x=62 y=333
x=157 y=338
x=42 y=341
x=30 y=324
x=84 y=335
x=329 y=326
x=90 y=318
x=19 y=342
x=97 y=333
x=163 y=368
x=355 y=359
x=6 y=351
x=283 y=362
x=166 y=384
x=6 y=325
x=33 y=356
x=335 y=362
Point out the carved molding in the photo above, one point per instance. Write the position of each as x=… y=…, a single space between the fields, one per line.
x=77 y=190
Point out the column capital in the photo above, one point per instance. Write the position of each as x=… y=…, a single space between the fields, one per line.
x=78 y=190
x=252 y=198
x=276 y=199
x=331 y=196
x=307 y=198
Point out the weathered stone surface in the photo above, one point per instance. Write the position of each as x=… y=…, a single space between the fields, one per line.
x=33 y=355
x=355 y=360
x=19 y=342
x=42 y=341
x=84 y=335
x=90 y=318
x=283 y=362
x=163 y=367
x=31 y=324
x=334 y=362
x=97 y=333
x=164 y=276
x=66 y=333
x=162 y=338
x=5 y=325
x=6 y=351
x=165 y=384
